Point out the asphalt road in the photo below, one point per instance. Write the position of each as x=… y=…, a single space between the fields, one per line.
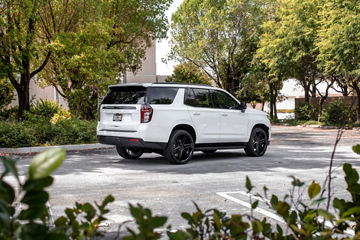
x=212 y=181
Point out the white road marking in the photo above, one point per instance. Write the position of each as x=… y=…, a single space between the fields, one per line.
x=248 y=205
x=265 y=212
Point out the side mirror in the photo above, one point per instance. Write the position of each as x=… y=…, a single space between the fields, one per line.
x=243 y=106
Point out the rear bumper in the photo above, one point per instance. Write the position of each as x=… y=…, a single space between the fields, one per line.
x=131 y=143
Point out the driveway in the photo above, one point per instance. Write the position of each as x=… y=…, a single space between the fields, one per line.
x=212 y=181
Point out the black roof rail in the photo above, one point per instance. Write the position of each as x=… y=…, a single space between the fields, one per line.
x=176 y=83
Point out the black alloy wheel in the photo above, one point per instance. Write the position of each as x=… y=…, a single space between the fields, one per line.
x=129 y=153
x=256 y=147
x=180 y=147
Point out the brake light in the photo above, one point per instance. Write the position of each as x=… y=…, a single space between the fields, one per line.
x=146 y=113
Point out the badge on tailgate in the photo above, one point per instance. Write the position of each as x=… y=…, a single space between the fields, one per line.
x=117 y=117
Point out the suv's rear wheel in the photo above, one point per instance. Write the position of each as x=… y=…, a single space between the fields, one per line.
x=180 y=148
x=256 y=147
x=129 y=153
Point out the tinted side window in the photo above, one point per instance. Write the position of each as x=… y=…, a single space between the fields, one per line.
x=125 y=95
x=224 y=101
x=198 y=97
x=161 y=95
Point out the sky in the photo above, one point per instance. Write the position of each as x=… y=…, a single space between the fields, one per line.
x=163 y=48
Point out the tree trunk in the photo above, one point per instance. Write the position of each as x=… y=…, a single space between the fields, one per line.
x=313 y=89
x=307 y=96
x=357 y=90
x=275 y=97
x=271 y=102
x=24 y=99
x=23 y=90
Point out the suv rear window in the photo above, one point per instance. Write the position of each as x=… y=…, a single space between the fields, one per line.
x=125 y=95
x=161 y=95
x=198 y=97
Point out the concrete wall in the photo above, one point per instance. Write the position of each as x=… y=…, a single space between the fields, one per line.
x=37 y=93
x=147 y=74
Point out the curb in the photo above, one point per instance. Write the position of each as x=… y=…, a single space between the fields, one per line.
x=316 y=126
x=33 y=150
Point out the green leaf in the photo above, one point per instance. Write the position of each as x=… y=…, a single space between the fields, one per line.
x=296 y=182
x=178 y=235
x=10 y=167
x=313 y=190
x=35 y=198
x=35 y=212
x=325 y=214
x=38 y=184
x=61 y=221
x=351 y=211
x=158 y=221
x=255 y=204
x=282 y=208
x=89 y=210
x=318 y=201
x=43 y=164
x=7 y=193
x=274 y=201
x=257 y=226
x=56 y=236
x=356 y=148
x=248 y=185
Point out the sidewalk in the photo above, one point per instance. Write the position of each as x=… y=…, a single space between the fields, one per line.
x=33 y=150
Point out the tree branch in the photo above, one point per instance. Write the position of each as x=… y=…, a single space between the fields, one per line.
x=42 y=65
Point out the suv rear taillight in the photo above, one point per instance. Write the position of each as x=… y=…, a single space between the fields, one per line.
x=146 y=113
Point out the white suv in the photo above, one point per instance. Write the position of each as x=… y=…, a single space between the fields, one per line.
x=177 y=119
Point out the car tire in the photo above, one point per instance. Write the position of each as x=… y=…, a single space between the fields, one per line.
x=180 y=147
x=256 y=147
x=209 y=151
x=129 y=153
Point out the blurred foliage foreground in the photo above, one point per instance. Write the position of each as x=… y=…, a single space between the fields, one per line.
x=24 y=211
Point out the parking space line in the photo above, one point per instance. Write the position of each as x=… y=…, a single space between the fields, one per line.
x=265 y=212
x=248 y=205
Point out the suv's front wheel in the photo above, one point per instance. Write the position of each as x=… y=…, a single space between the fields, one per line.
x=180 y=148
x=256 y=147
x=129 y=153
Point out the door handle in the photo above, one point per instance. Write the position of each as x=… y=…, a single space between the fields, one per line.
x=224 y=114
x=196 y=114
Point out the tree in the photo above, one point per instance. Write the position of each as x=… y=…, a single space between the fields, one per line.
x=218 y=36
x=6 y=93
x=287 y=47
x=188 y=73
x=338 y=42
x=22 y=54
x=101 y=40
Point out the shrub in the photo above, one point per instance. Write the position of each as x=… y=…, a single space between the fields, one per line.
x=32 y=220
x=15 y=134
x=74 y=131
x=45 y=108
x=338 y=113
x=6 y=93
x=306 y=111
x=39 y=131
x=9 y=114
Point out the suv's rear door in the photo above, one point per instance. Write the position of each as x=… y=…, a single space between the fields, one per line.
x=204 y=117
x=120 y=108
